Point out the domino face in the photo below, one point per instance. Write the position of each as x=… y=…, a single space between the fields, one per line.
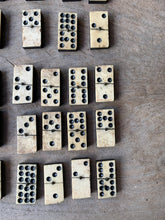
x=26 y=134
x=51 y=131
x=23 y=84
x=106 y=179
x=0 y=179
x=77 y=131
x=99 y=29
x=81 y=187
x=78 y=86
x=26 y=184
x=31 y=28
x=105 y=128
x=104 y=83
x=53 y=183
x=67 y=31
x=50 y=87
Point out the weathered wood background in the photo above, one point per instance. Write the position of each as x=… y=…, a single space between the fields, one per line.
x=137 y=36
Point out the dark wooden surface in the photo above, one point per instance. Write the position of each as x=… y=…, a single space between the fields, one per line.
x=137 y=37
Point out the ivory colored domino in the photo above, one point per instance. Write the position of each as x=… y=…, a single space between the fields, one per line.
x=77 y=131
x=26 y=134
x=81 y=186
x=104 y=83
x=31 y=28
x=106 y=179
x=53 y=184
x=51 y=131
x=26 y=184
x=105 y=128
x=22 y=84
x=50 y=87
x=99 y=29
x=67 y=31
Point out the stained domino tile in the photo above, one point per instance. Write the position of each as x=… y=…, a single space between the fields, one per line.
x=67 y=31
x=106 y=179
x=77 y=133
x=78 y=86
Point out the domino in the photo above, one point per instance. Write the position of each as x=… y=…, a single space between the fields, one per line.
x=97 y=1
x=50 y=87
x=26 y=134
x=78 y=86
x=23 y=84
x=26 y=184
x=81 y=186
x=51 y=131
x=104 y=83
x=67 y=31
x=31 y=28
x=106 y=179
x=71 y=0
x=77 y=131
x=105 y=128
x=99 y=29
x=0 y=179
x=53 y=184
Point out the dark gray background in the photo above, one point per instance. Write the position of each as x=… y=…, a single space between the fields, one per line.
x=137 y=38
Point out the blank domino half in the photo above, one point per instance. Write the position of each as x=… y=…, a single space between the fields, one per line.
x=23 y=84
x=51 y=131
x=81 y=186
x=99 y=29
x=78 y=86
x=104 y=83
x=50 y=87
x=106 y=179
x=26 y=184
x=67 y=31
x=77 y=131
x=105 y=128
x=53 y=183
x=26 y=134
x=31 y=28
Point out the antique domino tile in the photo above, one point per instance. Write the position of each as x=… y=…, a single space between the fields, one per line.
x=31 y=28
x=105 y=128
x=81 y=186
x=104 y=83
x=50 y=87
x=0 y=179
x=26 y=184
x=99 y=29
x=106 y=179
x=26 y=134
x=67 y=31
x=53 y=183
x=70 y=0
x=78 y=86
x=23 y=84
x=77 y=131
x=51 y=131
